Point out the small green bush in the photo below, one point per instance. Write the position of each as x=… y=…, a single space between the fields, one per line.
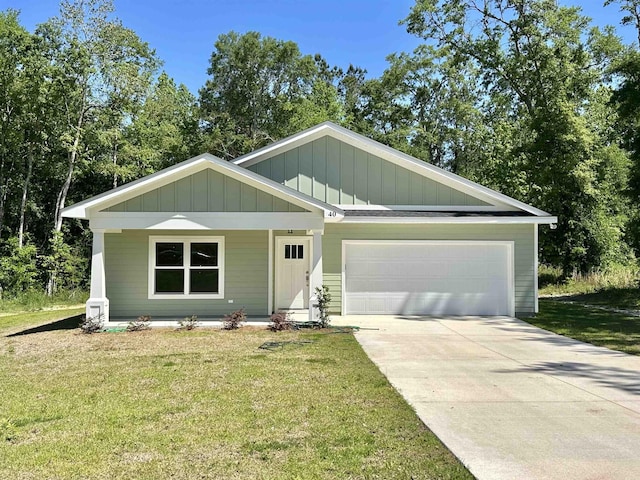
x=143 y=322
x=234 y=320
x=188 y=323
x=280 y=321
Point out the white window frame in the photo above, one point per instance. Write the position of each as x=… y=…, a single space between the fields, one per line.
x=186 y=242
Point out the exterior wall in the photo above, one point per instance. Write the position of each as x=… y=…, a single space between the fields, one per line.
x=245 y=275
x=522 y=235
x=205 y=191
x=339 y=174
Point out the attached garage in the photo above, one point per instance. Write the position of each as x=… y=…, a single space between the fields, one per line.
x=428 y=277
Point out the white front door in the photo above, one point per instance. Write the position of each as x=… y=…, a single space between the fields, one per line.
x=292 y=272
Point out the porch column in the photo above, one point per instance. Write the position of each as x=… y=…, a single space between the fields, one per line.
x=315 y=276
x=98 y=303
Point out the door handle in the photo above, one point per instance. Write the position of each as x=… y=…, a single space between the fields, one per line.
x=307 y=277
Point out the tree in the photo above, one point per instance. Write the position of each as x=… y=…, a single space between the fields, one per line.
x=164 y=132
x=103 y=67
x=541 y=73
x=262 y=89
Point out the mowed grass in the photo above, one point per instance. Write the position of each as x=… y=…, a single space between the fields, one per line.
x=598 y=327
x=205 y=404
x=20 y=321
x=627 y=298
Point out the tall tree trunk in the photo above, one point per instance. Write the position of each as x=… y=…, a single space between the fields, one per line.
x=115 y=163
x=73 y=154
x=3 y=198
x=62 y=194
x=23 y=203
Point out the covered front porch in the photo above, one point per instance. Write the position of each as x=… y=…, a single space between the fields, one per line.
x=260 y=270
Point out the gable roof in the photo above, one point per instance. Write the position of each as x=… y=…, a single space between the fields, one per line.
x=390 y=154
x=189 y=167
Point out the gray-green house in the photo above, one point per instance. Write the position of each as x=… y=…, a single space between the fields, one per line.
x=389 y=234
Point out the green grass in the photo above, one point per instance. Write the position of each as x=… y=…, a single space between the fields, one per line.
x=205 y=404
x=17 y=321
x=621 y=277
x=628 y=298
x=33 y=300
x=598 y=327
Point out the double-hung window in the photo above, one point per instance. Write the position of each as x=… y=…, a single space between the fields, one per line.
x=186 y=267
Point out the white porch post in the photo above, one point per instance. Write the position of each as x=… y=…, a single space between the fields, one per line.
x=315 y=276
x=98 y=303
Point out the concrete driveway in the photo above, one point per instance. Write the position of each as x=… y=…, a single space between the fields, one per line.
x=510 y=400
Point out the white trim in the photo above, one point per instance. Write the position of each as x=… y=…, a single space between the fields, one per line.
x=208 y=220
x=186 y=241
x=89 y=207
x=463 y=220
x=270 y=275
x=281 y=240
x=428 y=208
x=383 y=151
x=535 y=268
x=510 y=261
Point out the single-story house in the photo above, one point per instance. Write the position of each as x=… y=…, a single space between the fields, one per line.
x=386 y=232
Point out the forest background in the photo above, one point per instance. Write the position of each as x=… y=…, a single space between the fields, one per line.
x=528 y=97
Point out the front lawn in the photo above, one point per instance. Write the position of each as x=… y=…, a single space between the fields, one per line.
x=205 y=404
x=599 y=327
x=627 y=298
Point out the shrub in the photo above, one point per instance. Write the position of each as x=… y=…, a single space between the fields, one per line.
x=234 y=320
x=280 y=321
x=188 y=323
x=92 y=324
x=324 y=300
x=143 y=322
x=18 y=268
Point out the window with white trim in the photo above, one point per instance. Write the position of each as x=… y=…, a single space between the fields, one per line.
x=186 y=267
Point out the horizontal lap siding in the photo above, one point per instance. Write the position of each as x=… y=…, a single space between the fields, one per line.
x=127 y=257
x=521 y=235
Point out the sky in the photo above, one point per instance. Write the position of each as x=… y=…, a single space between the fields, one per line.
x=360 y=32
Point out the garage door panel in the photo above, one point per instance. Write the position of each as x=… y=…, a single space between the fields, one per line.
x=453 y=278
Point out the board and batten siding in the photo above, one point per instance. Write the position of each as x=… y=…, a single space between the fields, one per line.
x=340 y=174
x=245 y=275
x=521 y=235
x=205 y=191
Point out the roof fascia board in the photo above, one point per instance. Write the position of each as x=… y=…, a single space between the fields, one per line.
x=547 y=220
x=426 y=208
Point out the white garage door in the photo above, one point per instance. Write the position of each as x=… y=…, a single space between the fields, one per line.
x=428 y=278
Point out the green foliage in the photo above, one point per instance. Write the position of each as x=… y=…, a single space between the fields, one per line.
x=260 y=90
x=66 y=268
x=234 y=320
x=324 y=300
x=536 y=126
x=37 y=299
x=552 y=280
x=18 y=268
